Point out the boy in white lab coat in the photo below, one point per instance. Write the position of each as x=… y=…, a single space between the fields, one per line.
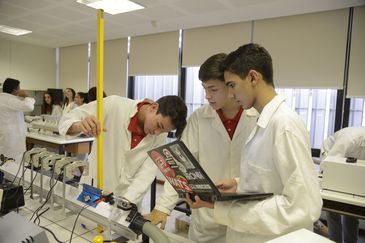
x=214 y=134
x=13 y=102
x=347 y=142
x=131 y=129
x=275 y=158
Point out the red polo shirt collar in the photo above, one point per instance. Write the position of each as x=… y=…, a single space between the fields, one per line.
x=230 y=124
x=137 y=136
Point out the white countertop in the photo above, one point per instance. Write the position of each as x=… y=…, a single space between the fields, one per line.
x=58 y=139
x=343 y=197
x=300 y=236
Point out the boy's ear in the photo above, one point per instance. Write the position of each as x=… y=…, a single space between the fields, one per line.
x=254 y=76
x=154 y=106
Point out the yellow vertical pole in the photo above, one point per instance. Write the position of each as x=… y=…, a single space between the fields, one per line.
x=100 y=84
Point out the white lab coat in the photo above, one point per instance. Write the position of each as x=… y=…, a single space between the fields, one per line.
x=13 y=129
x=70 y=106
x=347 y=142
x=207 y=138
x=276 y=158
x=127 y=172
x=56 y=110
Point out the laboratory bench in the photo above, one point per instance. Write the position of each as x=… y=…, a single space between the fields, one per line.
x=68 y=144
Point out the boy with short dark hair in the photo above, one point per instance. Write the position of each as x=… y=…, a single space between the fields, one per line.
x=276 y=158
x=215 y=133
x=131 y=129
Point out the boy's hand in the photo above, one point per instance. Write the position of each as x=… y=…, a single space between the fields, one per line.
x=198 y=202
x=226 y=185
x=157 y=217
x=90 y=126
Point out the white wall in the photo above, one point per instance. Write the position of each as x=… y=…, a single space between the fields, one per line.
x=34 y=66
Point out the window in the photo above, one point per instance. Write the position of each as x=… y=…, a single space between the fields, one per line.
x=195 y=95
x=357 y=114
x=154 y=87
x=317 y=108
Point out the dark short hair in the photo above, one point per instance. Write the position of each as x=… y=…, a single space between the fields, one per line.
x=91 y=94
x=210 y=69
x=10 y=85
x=84 y=96
x=174 y=107
x=250 y=57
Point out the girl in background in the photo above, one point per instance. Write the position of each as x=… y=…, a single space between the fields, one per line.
x=68 y=103
x=81 y=98
x=49 y=107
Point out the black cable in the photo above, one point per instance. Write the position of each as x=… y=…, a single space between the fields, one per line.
x=39 y=216
x=22 y=161
x=77 y=217
x=53 y=234
x=47 y=197
x=45 y=202
x=31 y=183
x=48 y=194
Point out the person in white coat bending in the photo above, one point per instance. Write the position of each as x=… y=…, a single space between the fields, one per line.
x=13 y=102
x=131 y=129
x=214 y=133
x=276 y=158
x=347 y=142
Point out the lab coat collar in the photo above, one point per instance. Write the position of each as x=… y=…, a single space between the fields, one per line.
x=269 y=110
x=208 y=111
x=251 y=112
x=7 y=94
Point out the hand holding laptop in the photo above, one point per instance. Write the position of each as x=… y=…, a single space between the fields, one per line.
x=226 y=185
x=187 y=177
x=197 y=203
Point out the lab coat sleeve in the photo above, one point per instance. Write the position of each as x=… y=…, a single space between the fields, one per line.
x=341 y=145
x=144 y=177
x=297 y=206
x=141 y=181
x=76 y=115
x=167 y=200
x=169 y=197
x=57 y=110
x=20 y=104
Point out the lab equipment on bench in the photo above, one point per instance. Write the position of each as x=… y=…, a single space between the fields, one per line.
x=344 y=175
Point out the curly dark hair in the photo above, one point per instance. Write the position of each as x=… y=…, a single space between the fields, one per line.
x=174 y=107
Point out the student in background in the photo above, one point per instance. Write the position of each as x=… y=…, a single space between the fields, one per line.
x=49 y=107
x=347 y=142
x=68 y=103
x=275 y=158
x=214 y=133
x=81 y=98
x=131 y=129
x=92 y=94
x=13 y=102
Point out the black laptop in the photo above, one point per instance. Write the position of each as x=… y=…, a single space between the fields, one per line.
x=185 y=174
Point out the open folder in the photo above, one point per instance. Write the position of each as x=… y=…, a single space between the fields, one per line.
x=185 y=175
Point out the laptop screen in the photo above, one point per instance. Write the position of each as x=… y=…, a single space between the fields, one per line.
x=181 y=169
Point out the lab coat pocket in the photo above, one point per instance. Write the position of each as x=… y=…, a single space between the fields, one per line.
x=256 y=178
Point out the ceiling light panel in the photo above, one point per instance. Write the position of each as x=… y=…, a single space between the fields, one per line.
x=112 y=6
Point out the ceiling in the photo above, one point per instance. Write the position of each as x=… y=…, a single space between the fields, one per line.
x=58 y=23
